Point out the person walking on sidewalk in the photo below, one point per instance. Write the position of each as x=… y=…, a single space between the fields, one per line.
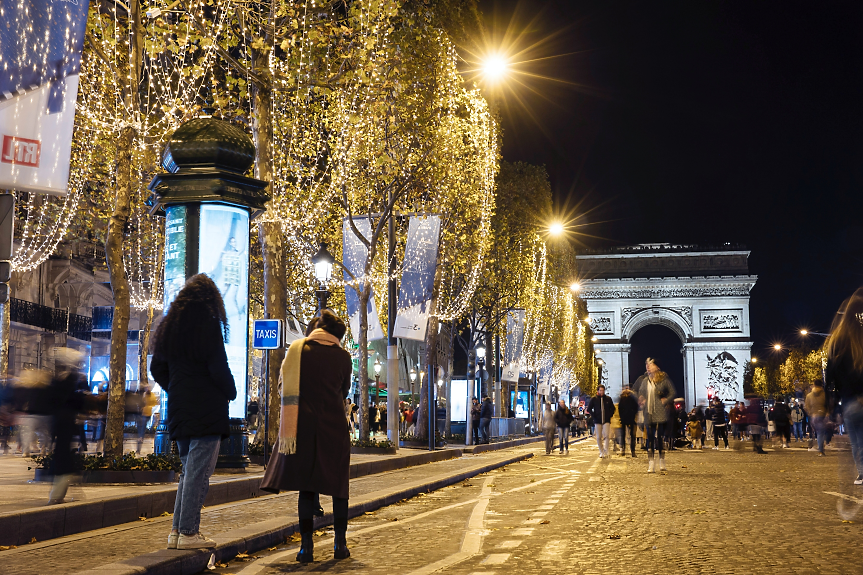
x=720 y=425
x=563 y=418
x=627 y=408
x=655 y=393
x=548 y=425
x=191 y=365
x=313 y=454
x=601 y=408
x=736 y=417
x=475 y=409
x=845 y=373
x=816 y=407
x=485 y=415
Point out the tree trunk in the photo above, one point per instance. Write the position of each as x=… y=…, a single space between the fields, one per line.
x=144 y=344
x=364 y=294
x=270 y=236
x=120 y=290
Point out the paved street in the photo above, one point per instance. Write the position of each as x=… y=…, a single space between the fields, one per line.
x=712 y=512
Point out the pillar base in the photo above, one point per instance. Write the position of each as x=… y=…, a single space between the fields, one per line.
x=234 y=451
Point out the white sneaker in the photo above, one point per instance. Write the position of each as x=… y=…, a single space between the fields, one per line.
x=650 y=466
x=813 y=449
x=172 y=539
x=716 y=448
x=662 y=464
x=196 y=541
x=859 y=480
x=727 y=449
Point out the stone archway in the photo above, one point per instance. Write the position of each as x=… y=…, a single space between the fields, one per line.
x=701 y=295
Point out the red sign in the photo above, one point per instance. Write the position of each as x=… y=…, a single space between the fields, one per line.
x=22 y=151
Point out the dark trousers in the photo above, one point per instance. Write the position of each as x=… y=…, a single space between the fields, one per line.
x=308 y=503
x=784 y=431
x=655 y=437
x=475 y=425
x=720 y=431
x=484 y=423
x=622 y=437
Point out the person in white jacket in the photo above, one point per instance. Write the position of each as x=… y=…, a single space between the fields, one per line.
x=548 y=426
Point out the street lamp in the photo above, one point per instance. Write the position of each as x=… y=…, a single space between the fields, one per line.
x=494 y=67
x=575 y=287
x=480 y=362
x=594 y=339
x=777 y=347
x=323 y=263
x=555 y=229
x=413 y=376
x=377 y=380
x=754 y=360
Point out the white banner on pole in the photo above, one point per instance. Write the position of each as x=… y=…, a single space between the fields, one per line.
x=514 y=343
x=354 y=254
x=40 y=51
x=417 y=285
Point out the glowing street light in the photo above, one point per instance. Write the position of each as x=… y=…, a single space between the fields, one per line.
x=555 y=229
x=494 y=67
x=804 y=332
x=754 y=360
x=777 y=347
x=594 y=339
x=575 y=287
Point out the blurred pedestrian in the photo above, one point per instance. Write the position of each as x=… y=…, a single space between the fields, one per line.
x=782 y=421
x=66 y=401
x=845 y=372
x=627 y=408
x=547 y=423
x=695 y=429
x=485 y=415
x=757 y=421
x=797 y=417
x=708 y=422
x=601 y=408
x=34 y=418
x=562 y=419
x=191 y=365
x=736 y=417
x=313 y=452
x=720 y=425
x=655 y=394
x=475 y=410
x=816 y=407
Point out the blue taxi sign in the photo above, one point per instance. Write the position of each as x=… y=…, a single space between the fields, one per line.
x=267 y=334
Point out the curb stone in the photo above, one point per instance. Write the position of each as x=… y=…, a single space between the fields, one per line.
x=272 y=532
x=46 y=523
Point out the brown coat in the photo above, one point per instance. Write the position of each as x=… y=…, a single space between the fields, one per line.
x=323 y=458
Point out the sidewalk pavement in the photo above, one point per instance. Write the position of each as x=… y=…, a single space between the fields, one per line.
x=139 y=547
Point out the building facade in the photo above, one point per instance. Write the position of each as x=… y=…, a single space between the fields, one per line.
x=702 y=295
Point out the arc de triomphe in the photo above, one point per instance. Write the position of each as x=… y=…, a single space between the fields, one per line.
x=700 y=294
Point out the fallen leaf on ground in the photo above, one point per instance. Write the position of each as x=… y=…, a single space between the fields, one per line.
x=142 y=518
x=271 y=549
x=394 y=519
x=846 y=521
x=699 y=512
x=33 y=540
x=6 y=547
x=242 y=555
x=683 y=466
x=467 y=484
x=165 y=514
x=544 y=522
x=614 y=536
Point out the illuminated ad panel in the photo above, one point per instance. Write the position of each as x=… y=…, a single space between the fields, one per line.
x=175 y=252
x=223 y=254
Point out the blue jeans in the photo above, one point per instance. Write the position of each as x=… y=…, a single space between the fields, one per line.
x=798 y=430
x=564 y=438
x=852 y=414
x=199 y=455
x=483 y=428
x=818 y=426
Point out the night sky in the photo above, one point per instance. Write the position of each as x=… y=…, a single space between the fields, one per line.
x=701 y=123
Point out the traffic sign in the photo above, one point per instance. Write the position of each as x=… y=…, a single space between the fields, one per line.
x=267 y=334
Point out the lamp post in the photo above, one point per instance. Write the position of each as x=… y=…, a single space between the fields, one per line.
x=377 y=381
x=413 y=376
x=480 y=361
x=323 y=263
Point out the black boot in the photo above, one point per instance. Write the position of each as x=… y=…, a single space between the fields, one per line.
x=307 y=545
x=340 y=547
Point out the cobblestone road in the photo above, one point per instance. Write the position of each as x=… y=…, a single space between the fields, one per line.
x=712 y=512
x=94 y=548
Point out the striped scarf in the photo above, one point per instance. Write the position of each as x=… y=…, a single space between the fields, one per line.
x=290 y=382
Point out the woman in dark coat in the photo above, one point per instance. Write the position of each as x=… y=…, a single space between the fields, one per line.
x=320 y=462
x=191 y=365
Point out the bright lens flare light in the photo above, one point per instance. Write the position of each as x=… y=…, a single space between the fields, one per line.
x=777 y=347
x=574 y=286
x=494 y=68
x=804 y=332
x=555 y=229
